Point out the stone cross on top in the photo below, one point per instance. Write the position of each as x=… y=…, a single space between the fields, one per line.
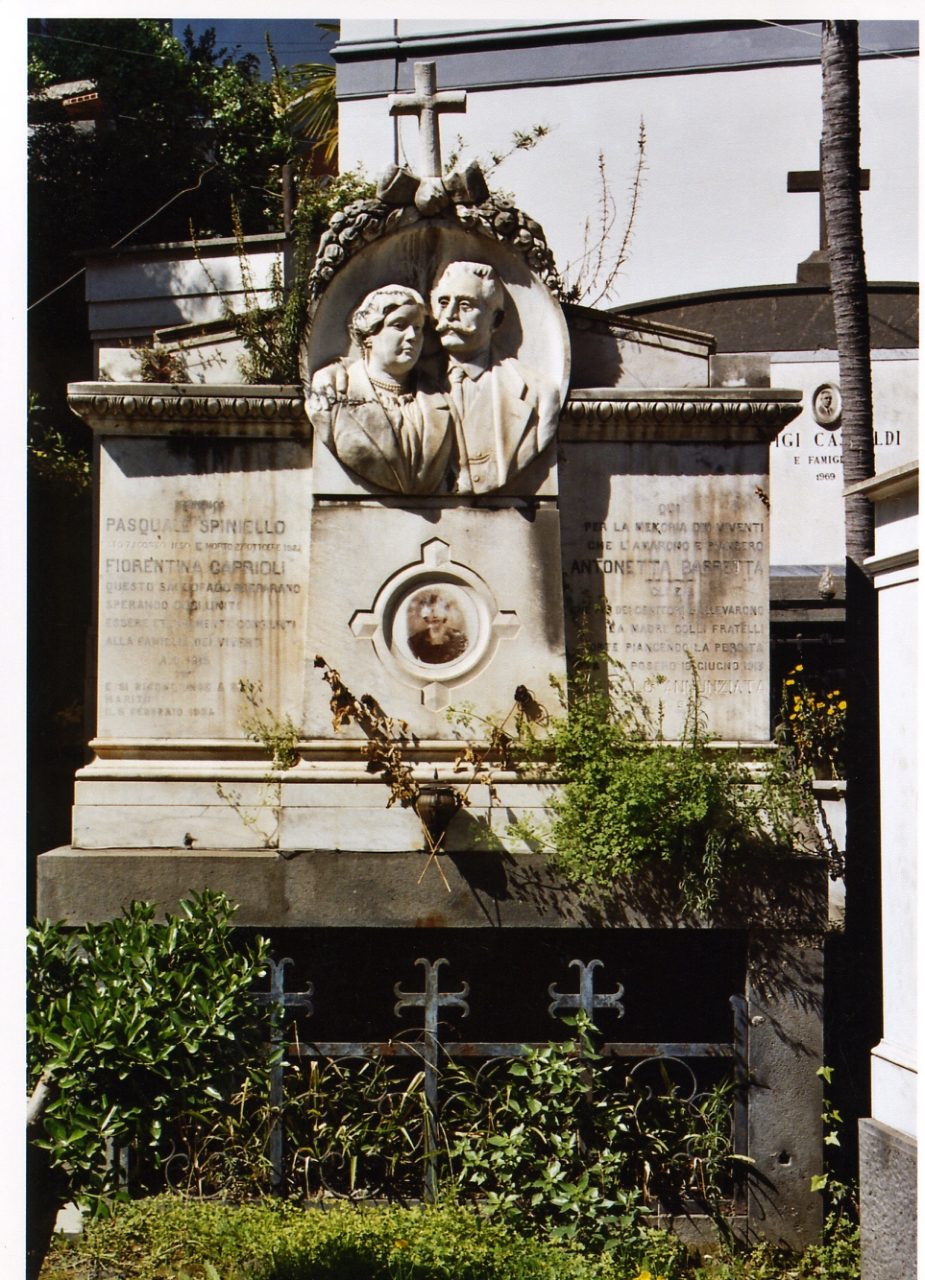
x=427 y=104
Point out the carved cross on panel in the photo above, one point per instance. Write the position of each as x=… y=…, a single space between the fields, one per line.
x=427 y=104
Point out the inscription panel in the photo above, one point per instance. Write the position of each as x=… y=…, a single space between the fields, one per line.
x=203 y=573
x=674 y=540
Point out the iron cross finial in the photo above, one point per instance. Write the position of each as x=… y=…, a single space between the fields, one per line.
x=431 y=999
x=281 y=999
x=585 y=998
x=427 y=104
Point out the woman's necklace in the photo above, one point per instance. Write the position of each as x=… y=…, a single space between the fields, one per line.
x=394 y=388
x=393 y=392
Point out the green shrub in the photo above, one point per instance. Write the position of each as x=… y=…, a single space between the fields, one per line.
x=632 y=800
x=171 y=1237
x=566 y=1145
x=144 y=1030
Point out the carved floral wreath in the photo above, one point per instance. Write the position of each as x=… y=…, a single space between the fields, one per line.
x=363 y=221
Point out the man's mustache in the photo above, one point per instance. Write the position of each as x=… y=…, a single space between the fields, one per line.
x=450 y=326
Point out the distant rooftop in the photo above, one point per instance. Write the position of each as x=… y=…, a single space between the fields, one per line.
x=70 y=89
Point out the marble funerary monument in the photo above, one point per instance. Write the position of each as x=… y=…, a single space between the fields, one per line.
x=456 y=477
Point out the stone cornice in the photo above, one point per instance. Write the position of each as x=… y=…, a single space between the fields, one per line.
x=738 y=414
x=734 y=415
x=229 y=409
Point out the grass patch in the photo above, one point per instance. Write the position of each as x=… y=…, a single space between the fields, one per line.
x=174 y=1238
x=167 y=1238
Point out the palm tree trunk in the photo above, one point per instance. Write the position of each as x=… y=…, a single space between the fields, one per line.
x=841 y=170
x=853 y=960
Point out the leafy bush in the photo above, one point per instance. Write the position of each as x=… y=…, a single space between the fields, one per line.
x=53 y=454
x=143 y=1030
x=548 y=1150
x=632 y=800
x=566 y=1145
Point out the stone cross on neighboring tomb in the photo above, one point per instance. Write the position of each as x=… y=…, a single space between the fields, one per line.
x=811 y=180
x=585 y=998
x=427 y=104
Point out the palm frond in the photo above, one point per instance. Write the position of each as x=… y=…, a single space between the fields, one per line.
x=313 y=110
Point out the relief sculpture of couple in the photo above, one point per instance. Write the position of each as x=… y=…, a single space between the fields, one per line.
x=468 y=429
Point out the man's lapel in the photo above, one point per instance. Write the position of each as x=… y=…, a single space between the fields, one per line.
x=512 y=413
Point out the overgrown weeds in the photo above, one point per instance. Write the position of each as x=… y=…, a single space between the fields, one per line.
x=631 y=800
x=272 y=321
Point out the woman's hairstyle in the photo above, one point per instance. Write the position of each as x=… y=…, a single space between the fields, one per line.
x=369 y=317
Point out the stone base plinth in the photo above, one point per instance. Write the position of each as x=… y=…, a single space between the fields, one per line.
x=491 y=887
x=888 y=1162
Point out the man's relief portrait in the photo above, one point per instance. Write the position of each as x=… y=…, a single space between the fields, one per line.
x=468 y=425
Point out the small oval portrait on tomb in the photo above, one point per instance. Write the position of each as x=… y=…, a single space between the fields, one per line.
x=436 y=625
x=827 y=404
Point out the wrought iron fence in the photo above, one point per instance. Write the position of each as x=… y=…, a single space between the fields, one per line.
x=427 y=1051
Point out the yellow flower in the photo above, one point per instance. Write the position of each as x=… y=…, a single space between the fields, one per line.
x=834 y=693
x=789 y=682
x=799 y=668
x=644 y=1275
x=843 y=706
x=401 y=1244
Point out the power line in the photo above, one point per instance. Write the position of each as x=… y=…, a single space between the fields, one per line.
x=144 y=53
x=817 y=35
x=195 y=187
x=92 y=44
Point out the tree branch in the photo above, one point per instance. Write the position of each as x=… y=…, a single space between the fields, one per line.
x=40 y=1098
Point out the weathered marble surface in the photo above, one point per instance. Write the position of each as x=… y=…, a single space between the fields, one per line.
x=203 y=575
x=498 y=570
x=665 y=523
